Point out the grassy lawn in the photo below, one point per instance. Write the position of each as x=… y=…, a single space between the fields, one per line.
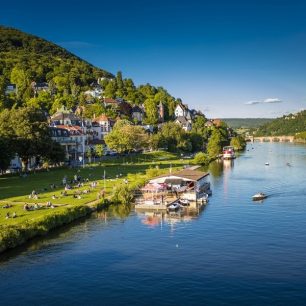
x=15 y=190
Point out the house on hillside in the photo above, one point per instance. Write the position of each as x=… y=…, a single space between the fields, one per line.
x=110 y=102
x=102 y=125
x=125 y=109
x=11 y=89
x=181 y=110
x=64 y=116
x=184 y=123
x=217 y=122
x=96 y=91
x=137 y=114
x=38 y=87
x=72 y=139
x=209 y=123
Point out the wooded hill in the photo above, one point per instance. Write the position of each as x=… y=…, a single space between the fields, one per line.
x=286 y=125
x=25 y=59
x=247 y=123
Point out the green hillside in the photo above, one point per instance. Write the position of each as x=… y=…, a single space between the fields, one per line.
x=286 y=125
x=247 y=123
x=25 y=58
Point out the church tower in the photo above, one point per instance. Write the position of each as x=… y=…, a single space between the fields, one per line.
x=161 y=112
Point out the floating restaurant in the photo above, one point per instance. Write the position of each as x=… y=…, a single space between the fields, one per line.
x=188 y=186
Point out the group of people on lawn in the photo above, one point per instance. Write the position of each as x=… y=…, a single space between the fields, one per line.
x=77 y=179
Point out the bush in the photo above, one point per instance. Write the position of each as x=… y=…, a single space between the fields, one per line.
x=14 y=235
x=201 y=159
x=122 y=194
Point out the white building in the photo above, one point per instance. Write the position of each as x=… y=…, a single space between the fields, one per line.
x=101 y=126
x=73 y=139
x=184 y=123
x=95 y=92
x=181 y=110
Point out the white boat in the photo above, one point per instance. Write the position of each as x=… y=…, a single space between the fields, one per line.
x=184 y=202
x=228 y=152
x=267 y=164
x=259 y=196
x=174 y=206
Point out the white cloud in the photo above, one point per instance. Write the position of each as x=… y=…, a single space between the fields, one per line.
x=272 y=100
x=268 y=100
x=252 y=102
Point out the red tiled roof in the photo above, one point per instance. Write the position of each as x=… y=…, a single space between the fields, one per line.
x=71 y=128
x=103 y=117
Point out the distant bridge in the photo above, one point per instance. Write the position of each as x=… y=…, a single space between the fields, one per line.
x=271 y=139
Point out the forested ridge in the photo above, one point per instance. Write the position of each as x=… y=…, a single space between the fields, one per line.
x=286 y=125
x=25 y=59
x=236 y=123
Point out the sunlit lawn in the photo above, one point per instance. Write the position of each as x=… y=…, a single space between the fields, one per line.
x=15 y=190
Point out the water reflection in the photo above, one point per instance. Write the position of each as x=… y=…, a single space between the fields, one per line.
x=158 y=218
x=216 y=168
x=119 y=211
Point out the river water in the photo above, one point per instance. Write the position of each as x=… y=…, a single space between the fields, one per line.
x=234 y=252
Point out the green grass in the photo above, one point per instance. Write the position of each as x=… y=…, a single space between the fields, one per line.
x=15 y=190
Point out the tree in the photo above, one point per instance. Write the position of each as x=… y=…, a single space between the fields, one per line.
x=172 y=137
x=151 y=111
x=126 y=137
x=89 y=154
x=55 y=153
x=214 y=144
x=201 y=159
x=99 y=151
x=6 y=154
x=28 y=133
x=238 y=143
x=111 y=89
x=43 y=101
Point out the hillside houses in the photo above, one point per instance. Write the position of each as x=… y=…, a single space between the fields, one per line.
x=184 y=123
x=96 y=92
x=38 y=87
x=101 y=126
x=137 y=114
x=11 y=89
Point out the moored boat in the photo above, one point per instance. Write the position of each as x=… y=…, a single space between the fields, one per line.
x=184 y=202
x=228 y=152
x=173 y=206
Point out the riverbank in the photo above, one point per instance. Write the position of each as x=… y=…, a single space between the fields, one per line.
x=95 y=188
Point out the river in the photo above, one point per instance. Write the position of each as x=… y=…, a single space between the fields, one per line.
x=234 y=252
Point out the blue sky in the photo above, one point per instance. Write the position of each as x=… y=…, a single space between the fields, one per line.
x=227 y=58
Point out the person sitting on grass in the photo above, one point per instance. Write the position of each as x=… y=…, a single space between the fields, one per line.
x=50 y=205
x=14 y=215
x=26 y=207
x=7 y=215
x=54 y=197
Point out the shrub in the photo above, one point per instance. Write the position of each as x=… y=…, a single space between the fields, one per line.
x=201 y=159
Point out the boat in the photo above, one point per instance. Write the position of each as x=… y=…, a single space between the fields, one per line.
x=184 y=202
x=259 y=196
x=204 y=198
x=173 y=206
x=267 y=164
x=228 y=152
